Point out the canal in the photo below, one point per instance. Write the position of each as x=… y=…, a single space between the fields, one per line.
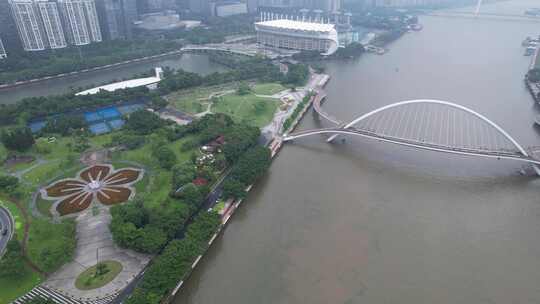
x=367 y=222
x=189 y=62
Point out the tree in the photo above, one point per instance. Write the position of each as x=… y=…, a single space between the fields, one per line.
x=191 y=194
x=297 y=75
x=233 y=188
x=101 y=269
x=12 y=263
x=151 y=239
x=183 y=174
x=8 y=183
x=243 y=89
x=251 y=165
x=165 y=157
x=143 y=122
x=64 y=124
x=18 y=139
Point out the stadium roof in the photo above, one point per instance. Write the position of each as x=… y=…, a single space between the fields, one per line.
x=298 y=25
x=133 y=83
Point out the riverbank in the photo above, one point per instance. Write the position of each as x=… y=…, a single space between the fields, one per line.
x=109 y=66
x=533 y=87
x=275 y=146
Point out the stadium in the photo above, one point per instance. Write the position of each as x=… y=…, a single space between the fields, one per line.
x=298 y=35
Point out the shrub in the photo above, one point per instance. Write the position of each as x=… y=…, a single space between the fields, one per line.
x=18 y=139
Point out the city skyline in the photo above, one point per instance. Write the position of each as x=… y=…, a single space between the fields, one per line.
x=44 y=24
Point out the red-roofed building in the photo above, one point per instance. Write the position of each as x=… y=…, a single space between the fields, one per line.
x=199 y=181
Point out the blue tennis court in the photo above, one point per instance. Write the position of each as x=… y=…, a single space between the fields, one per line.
x=116 y=124
x=128 y=109
x=99 y=128
x=108 y=113
x=91 y=116
x=37 y=126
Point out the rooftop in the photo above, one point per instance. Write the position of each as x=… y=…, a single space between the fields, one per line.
x=132 y=83
x=298 y=25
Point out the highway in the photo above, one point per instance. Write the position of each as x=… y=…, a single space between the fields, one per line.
x=5 y=223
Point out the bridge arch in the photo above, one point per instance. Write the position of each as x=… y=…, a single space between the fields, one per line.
x=484 y=119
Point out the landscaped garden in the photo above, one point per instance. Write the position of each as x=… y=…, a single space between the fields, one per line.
x=154 y=175
x=245 y=106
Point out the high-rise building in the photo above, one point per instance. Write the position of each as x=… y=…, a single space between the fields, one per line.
x=28 y=25
x=200 y=6
x=81 y=21
x=3 y=53
x=117 y=17
x=8 y=29
x=50 y=21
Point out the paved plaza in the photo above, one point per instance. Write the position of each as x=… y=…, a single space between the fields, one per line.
x=94 y=240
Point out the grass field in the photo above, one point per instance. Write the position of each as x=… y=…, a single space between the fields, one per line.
x=267 y=88
x=41 y=173
x=44 y=206
x=89 y=280
x=194 y=101
x=45 y=238
x=12 y=288
x=256 y=111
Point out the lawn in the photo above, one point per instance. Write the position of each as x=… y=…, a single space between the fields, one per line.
x=267 y=88
x=88 y=279
x=51 y=245
x=17 y=217
x=42 y=173
x=256 y=111
x=99 y=141
x=12 y=288
x=194 y=101
x=60 y=149
x=44 y=206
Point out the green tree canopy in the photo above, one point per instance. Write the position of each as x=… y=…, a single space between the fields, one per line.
x=143 y=122
x=18 y=139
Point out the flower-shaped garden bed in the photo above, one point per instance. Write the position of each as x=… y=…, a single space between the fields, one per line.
x=100 y=183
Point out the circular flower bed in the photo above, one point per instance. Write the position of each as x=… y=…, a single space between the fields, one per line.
x=98 y=275
x=97 y=183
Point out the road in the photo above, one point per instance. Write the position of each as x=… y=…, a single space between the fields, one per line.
x=6 y=222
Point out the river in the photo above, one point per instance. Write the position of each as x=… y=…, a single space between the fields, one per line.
x=189 y=62
x=367 y=222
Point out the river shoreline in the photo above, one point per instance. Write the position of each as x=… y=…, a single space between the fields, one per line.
x=275 y=146
x=531 y=86
x=104 y=67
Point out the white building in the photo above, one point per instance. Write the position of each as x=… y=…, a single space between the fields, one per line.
x=81 y=21
x=231 y=9
x=150 y=82
x=3 y=53
x=52 y=26
x=28 y=24
x=298 y=35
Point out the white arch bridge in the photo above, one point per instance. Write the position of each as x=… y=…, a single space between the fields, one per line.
x=428 y=124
